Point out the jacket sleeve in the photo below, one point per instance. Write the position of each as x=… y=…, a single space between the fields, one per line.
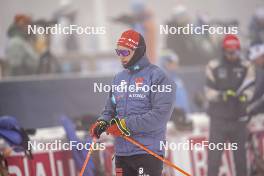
x=256 y=104
x=248 y=85
x=212 y=92
x=109 y=108
x=162 y=106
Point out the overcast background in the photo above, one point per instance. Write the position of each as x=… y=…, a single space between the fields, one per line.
x=88 y=14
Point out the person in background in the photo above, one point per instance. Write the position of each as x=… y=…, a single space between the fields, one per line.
x=256 y=55
x=21 y=57
x=190 y=48
x=169 y=62
x=224 y=78
x=256 y=27
x=48 y=63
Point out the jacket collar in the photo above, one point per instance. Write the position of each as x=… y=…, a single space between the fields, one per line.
x=229 y=63
x=140 y=64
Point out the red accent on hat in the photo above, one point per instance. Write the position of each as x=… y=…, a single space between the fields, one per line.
x=231 y=42
x=129 y=39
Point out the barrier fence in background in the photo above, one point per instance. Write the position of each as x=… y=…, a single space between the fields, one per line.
x=39 y=100
x=58 y=163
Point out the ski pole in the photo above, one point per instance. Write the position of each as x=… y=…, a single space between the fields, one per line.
x=87 y=157
x=156 y=155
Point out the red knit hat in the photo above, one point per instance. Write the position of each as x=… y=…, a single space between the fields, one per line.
x=231 y=42
x=129 y=39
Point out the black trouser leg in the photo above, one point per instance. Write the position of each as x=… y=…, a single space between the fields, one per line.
x=139 y=165
x=234 y=132
x=123 y=168
x=215 y=156
x=239 y=136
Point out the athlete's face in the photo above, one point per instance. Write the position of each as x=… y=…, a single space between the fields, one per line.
x=232 y=55
x=125 y=54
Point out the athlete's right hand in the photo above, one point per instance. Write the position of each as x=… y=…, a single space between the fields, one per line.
x=98 y=128
x=229 y=96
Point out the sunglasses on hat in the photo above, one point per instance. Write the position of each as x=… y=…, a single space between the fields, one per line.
x=122 y=52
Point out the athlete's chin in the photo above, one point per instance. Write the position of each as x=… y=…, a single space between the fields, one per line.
x=124 y=63
x=125 y=66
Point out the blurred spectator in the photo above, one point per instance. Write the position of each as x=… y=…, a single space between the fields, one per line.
x=169 y=62
x=224 y=79
x=20 y=54
x=180 y=43
x=142 y=20
x=183 y=44
x=257 y=102
x=256 y=27
x=65 y=15
x=206 y=41
x=48 y=63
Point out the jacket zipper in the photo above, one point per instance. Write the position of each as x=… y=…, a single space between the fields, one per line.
x=130 y=76
x=125 y=111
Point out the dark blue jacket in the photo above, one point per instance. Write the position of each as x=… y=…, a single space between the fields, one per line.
x=146 y=113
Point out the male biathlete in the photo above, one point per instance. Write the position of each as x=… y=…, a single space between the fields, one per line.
x=225 y=80
x=139 y=109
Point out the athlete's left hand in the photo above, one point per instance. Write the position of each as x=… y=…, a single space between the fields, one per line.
x=243 y=98
x=118 y=127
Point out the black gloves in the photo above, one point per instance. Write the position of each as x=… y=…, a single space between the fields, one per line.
x=98 y=128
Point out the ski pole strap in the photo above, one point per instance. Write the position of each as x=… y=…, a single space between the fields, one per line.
x=156 y=155
x=121 y=126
